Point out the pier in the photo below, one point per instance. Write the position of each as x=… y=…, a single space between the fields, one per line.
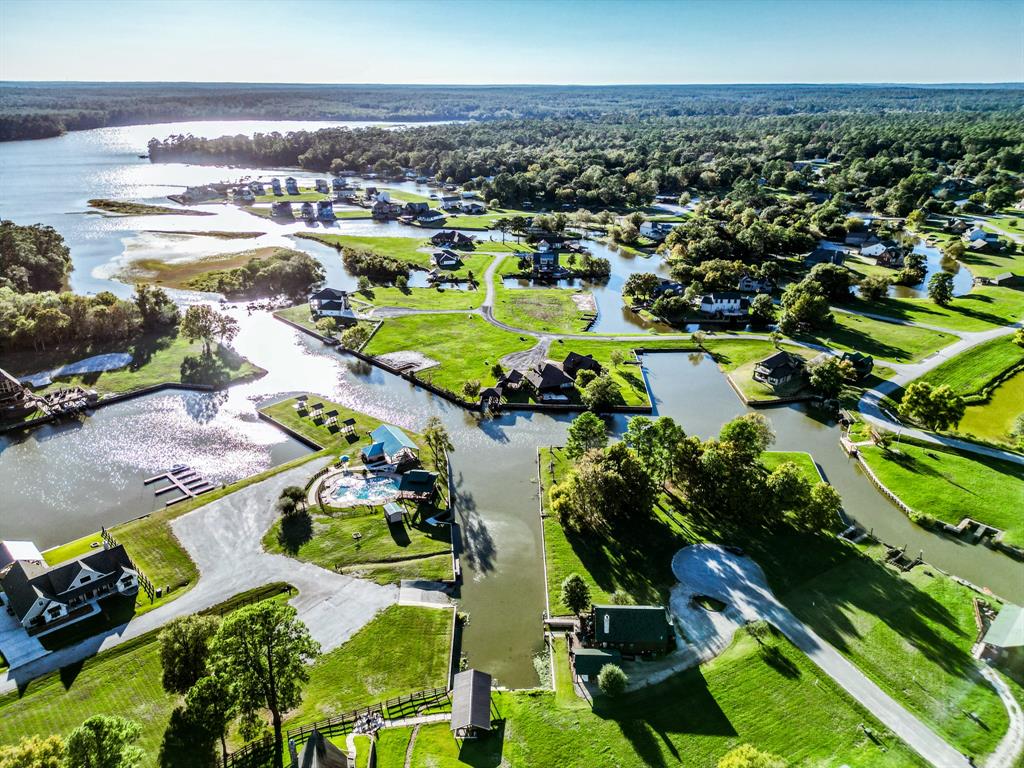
x=187 y=481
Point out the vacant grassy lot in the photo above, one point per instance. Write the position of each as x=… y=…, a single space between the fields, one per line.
x=425 y=298
x=415 y=549
x=996 y=418
x=772 y=459
x=407 y=249
x=970 y=373
x=882 y=340
x=944 y=484
x=466 y=346
x=548 y=310
x=775 y=699
x=980 y=310
x=403 y=650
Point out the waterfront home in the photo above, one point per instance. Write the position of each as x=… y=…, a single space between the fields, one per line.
x=12 y=551
x=198 y=194
x=243 y=195
x=779 y=369
x=632 y=629
x=749 y=284
x=390 y=445
x=346 y=195
x=471 y=704
x=308 y=211
x=431 y=218
x=325 y=210
x=416 y=209
x=338 y=184
x=543 y=246
x=725 y=304
x=824 y=256
x=983 y=246
x=548 y=377
x=291 y=186
x=468 y=194
x=473 y=207
x=879 y=248
x=511 y=379
x=575 y=362
x=330 y=302
x=545 y=262
x=656 y=230
x=449 y=202
x=980 y=234
x=446 y=259
x=668 y=288
x=257 y=187
x=321 y=186
x=956 y=226
x=41 y=597
x=452 y=238
x=857 y=238
x=282 y=209
x=275 y=185
x=383 y=208
x=1004 y=638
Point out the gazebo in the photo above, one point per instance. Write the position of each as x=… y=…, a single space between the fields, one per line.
x=471 y=704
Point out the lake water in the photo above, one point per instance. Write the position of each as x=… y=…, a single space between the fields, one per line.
x=65 y=481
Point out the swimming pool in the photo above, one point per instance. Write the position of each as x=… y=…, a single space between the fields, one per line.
x=354 y=489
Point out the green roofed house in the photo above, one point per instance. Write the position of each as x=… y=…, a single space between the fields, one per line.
x=390 y=445
x=417 y=484
x=1005 y=635
x=588 y=662
x=632 y=628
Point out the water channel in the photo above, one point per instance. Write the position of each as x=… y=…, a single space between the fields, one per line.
x=64 y=481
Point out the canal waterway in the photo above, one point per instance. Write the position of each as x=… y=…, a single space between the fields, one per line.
x=61 y=482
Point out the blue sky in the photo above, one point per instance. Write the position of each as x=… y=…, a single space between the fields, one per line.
x=529 y=41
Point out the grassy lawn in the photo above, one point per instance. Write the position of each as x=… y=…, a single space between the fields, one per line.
x=424 y=298
x=306 y=194
x=326 y=538
x=549 y=310
x=509 y=246
x=939 y=483
x=285 y=413
x=970 y=373
x=155 y=360
x=407 y=249
x=778 y=701
x=466 y=346
x=772 y=459
x=402 y=650
x=995 y=419
x=123 y=681
x=980 y=310
x=912 y=634
x=738 y=358
x=481 y=221
x=881 y=340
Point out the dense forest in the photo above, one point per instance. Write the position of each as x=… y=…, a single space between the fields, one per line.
x=32 y=258
x=887 y=161
x=40 y=110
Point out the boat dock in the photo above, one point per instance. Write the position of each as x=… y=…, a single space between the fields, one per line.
x=187 y=481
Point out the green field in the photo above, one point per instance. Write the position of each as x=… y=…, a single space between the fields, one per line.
x=772 y=459
x=738 y=358
x=466 y=346
x=995 y=419
x=424 y=298
x=407 y=249
x=546 y=310
x=972 y=372
x=778 y=701
x=482 y=221
x=982 y=309
x=944 y=484
x=881 y=340
x=404 y=649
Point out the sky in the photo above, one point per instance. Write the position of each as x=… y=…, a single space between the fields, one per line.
x=514 y=42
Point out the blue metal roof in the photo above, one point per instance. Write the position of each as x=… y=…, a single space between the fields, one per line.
x=392 y=439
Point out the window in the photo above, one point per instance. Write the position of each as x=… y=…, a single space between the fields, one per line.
x=85 y=578
x=54 y=612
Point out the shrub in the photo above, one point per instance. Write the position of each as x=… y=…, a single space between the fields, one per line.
x=612 y=680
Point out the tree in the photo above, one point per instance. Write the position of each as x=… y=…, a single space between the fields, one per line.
x=586 y=432
x=776 y=339
x=185 y=650
x=1018 y=337
x=617 y=358
x=105 y=741
x=940 y=288
x=497 y=371
x=750 y=434
x=834 y=281
x=827 y=374
x=264 y=650
x=439 y=442
x=157 y=309
x=503 y=225
x=641 y=285
x=327 y=326
x=746 y=756
x=822 y=510
x=698 y=337
x=604 y=486
x=601 y=393
x=936 y=408
x=471 y=388
x=640 y=436
x=612 y=680
x=34 y=752
x=402 y=283
x=788 y=487
x=211 y=702
x=575 y=593
x=874 y=287
x=762 y=309
x=355 y=337
x=1018 y=431
x=291 y=500
x=203 y=323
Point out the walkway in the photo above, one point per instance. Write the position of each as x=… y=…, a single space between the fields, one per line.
x=1011 y=745
x=738 y=581
x=224 y=539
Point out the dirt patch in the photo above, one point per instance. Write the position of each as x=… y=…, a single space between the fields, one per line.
x=407 y=361
x=585 y=302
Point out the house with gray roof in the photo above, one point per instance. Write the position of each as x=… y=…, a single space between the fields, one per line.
x=471 y=704
x=632 y=629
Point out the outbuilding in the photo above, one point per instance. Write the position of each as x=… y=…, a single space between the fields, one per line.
x=471 y=704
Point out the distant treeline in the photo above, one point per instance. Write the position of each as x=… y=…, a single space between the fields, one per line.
x=616 y=160
x=41 y=110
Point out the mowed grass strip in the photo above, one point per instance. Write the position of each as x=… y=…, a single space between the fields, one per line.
x=996 y=419
x=880 y=339
x=969 y=373
x=466 y=346
x=945 y=485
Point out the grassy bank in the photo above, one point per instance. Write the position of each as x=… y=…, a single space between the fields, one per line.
x=214 y=233
x=995 y=419
x=127 y=208
x=970 y=373
x=944 y=484
x=881 y=340
x=983 y=308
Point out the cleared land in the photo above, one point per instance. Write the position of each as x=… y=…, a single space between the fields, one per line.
x=777 y=700
x=407 y=249
x=945 y=485
x=882 y=340
x=971 y=373
x=546 y=310
x=424 y=298
x=982 y=309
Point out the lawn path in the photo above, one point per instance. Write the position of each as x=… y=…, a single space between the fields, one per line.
x=223 y=538
x=1011 y=745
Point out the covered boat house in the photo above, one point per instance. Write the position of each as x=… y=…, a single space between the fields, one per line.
x=471 y=704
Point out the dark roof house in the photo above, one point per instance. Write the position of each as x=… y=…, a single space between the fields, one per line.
x=632 y=628
x=778 y=369
x=575 y=362
x=549 y=377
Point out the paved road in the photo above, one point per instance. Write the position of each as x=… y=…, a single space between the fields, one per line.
x=738 y=581
x=223 y=538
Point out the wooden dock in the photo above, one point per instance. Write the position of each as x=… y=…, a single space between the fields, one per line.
x=187 y=481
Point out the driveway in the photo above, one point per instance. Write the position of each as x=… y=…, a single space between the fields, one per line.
x=738 y=581
x=223 y=538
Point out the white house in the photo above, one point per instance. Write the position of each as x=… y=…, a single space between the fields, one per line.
x=450 y=202
x=877 y=249
x=748 y=284
x=656 y=230
x=727 y=303
x=330 y=302
x=473 y=207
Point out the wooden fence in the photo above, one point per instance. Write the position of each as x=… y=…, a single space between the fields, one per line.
x=145 y=583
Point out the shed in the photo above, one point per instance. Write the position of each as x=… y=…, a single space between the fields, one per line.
x=1007 y=631
x=318 y=752
x=471 y=703
x=588 y=662
x=393 y=512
